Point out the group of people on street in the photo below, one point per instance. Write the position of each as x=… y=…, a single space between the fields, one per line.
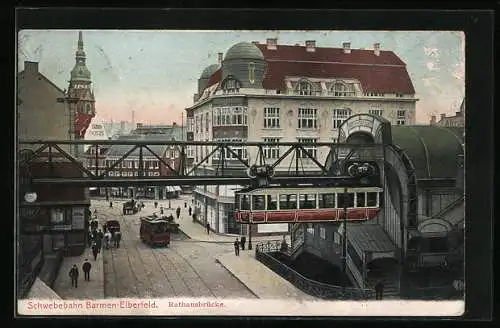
x=74 y=273
x=239 y=243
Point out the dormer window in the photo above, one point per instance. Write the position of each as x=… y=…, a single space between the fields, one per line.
x=342 y=90
x=251 y=73
x=304 y=88
x=231 y=85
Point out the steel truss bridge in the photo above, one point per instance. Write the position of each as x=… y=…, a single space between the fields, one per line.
x=225 y=172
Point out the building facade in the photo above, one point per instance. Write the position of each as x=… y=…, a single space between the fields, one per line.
x=458 y=120
x=281 y=93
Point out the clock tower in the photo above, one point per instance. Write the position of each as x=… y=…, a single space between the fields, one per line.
x=80 y=89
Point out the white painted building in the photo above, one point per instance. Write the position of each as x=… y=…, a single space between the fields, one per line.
x=282 y=93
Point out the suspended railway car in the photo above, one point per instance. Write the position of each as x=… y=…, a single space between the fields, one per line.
x=310 y=204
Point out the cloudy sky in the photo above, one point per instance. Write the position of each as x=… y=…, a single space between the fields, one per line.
x=154 y=73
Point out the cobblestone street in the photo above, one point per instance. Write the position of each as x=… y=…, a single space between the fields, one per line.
x=185 y=268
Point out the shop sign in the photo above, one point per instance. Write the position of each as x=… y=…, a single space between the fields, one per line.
x=78 y=218
x=59 y=227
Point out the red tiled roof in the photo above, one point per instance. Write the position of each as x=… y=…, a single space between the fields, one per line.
x=385 y=73
x=82 y=122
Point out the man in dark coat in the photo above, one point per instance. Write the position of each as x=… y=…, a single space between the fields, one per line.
x=243 y=241
x=379 y=290
x=194 y=217
x=95 y=250
x=237 y=247
x=178 y=212
x=156 y=204
x=185 y=204
x=73 y=274
x=161 y=210
x=208 y=228
x=86 y=269
x=117 y=237
x=190 y=211
x=110 y=204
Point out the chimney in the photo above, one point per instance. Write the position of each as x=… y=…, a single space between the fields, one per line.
x=311 y=45
x=31 y=67
x=443 y=116
x=272 y=44
x=347 y=47
x=433 y=119
x=174 y=123
x=219 y=57
x=376 y=49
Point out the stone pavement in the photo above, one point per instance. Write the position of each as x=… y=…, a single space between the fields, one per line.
x=39 y=290
x=261 y=280
x=93 y=289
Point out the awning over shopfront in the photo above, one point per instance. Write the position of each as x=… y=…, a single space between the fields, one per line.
x=370 y=239
x=173 y=188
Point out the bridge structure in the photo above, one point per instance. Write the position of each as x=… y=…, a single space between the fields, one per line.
x=333 y=171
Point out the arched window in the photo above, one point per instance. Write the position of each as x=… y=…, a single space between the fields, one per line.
x=342 y=90
x=231 y=85
x=251 y=73
x=304 y=88
x=89 y=109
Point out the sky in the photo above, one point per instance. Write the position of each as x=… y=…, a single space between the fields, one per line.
x=153 y=74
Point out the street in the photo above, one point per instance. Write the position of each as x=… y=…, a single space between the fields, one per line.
x=185 y=268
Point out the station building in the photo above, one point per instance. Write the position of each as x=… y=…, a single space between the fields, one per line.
x=421 y=224
x=268 y=92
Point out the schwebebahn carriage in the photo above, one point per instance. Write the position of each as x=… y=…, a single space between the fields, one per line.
x=306 y=204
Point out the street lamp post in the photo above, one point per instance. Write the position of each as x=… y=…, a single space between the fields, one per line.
x=344 y=235
x=250 y=235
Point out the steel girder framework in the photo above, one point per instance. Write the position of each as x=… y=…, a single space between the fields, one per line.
x=99 y=176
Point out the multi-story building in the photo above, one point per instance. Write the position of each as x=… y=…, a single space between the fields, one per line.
x=153 y=166
x=458 y=120
x=282 y=93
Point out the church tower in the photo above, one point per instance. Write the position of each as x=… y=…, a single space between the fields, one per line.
x=81 y=90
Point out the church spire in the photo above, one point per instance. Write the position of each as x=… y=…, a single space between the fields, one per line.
x=80 y=72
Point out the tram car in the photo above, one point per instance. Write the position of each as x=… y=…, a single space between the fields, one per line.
x=154 y=231
x=306 y=204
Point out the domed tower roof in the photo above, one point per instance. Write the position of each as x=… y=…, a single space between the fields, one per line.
x=244 y=50
x=208 y=71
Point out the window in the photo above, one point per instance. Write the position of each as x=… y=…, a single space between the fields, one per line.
x=226 y=116
x=401 y=117
x=273 y=151
x=305 y=88
x=57 y=216
x=245 y=202
x=307 y=201
x=310 y=229
x=207 y=122
x=288 y=202
x=271 y=117
x=241 y=151
x=371 y=199
x=339 y=116
x=343 y=201
x=322 y=233
x=360 y=199
x=377 y=112
x=231 y=85
x=258 y=202
x=309 y=147
x=272 y=202
x=375 y=94
x=342 y=90
x=326 y=200
x=251 y=73
x=307 y=118
x=197 y=123
x=337 y=239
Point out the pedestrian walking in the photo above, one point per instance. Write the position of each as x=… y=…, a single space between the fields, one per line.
x=86 y=270
x=107 y=239
x=208 y=228
x=190 y=210
x=161 y=210
x=178 y=212
x=73 y=274
x=379 y=290
x=237 y=247
x=194 y=217
x=243 y=241
x=185 y=204
x=110 y=204
x=117 y=237
x=156 y=204
x=95 y=250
